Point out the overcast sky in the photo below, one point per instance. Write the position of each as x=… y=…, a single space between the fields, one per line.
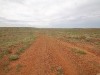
x=50 y=13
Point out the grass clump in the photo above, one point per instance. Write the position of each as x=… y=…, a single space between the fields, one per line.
x=21 y=50
x=52 y=67
x=78 y=51
x=81 y=52
x=95 y=64
x=6 y=64
x=27 y=44
x=73 y=49
x=13 y=57
x=18 y=67
x=7 y=70
x=60 y=71
x=3 y=53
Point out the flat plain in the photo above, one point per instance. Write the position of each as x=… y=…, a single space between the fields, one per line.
x=49 y=51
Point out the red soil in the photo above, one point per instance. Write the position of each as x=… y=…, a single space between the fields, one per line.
x=46 y=53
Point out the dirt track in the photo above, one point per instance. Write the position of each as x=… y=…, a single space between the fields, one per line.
x=47 y=54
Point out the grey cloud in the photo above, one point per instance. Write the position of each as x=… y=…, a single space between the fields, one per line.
x=52 y=13
x=13 y=1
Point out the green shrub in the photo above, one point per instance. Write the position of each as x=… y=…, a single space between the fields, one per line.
x=59 y=69
x=13 y=57
x=81 y=52
x=78 y=51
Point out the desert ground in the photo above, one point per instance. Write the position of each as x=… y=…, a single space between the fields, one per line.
x=52 y=51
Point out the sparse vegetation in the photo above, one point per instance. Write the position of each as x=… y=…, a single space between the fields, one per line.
x=11 y=36
x=73 y=50
x=3 y=53
x=13 y=57
x=27 y=44
x=14 y=42
x=19 y=51
x=11 y=39
x=7 y=70
x=18 y=67
x=95 y=64
x=81 y=52
x=78 y=51
x=60 y=71
x=52 y=67
x=6 y=63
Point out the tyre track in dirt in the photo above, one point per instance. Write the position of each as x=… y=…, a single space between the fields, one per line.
x=90 y=55
x=83 y=63
x=37 y=60
x=46 y=53
x=45 y=60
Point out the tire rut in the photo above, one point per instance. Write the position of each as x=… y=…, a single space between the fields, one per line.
x=46 y=55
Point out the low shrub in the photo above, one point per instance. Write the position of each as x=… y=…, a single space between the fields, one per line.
x=13 y=57
x=81 y=52
x=60 y=71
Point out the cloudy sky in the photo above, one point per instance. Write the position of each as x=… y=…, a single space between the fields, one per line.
x=50 y=13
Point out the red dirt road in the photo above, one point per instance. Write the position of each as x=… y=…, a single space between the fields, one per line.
x=47 y=54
